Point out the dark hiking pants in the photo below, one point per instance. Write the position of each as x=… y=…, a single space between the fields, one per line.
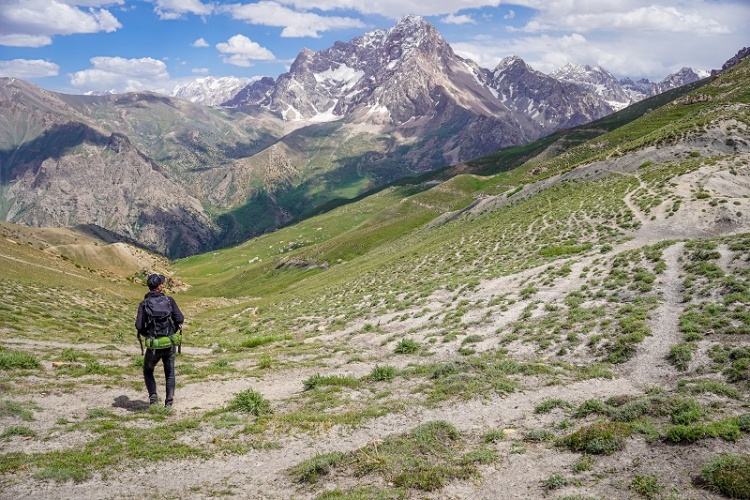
x=150 y=359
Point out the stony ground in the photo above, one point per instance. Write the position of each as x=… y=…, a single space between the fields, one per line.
x=264 y=473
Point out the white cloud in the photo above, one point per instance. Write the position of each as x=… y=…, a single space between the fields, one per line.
x=34 y=41
x=636 y=38
x=510 y=15
x=178 y=9
x=295 y=24
x=695 y=16
x=241 y=51
x=34 y=22
x=28 y=68
x=123 y=75
x=649 y=18
x=454 y=19
x=201 y=71
x=201 y=42
x=394 y=9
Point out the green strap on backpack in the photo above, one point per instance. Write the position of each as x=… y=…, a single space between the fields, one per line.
x=164 y=342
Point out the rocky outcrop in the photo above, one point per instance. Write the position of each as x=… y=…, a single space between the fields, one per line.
x=103 y=180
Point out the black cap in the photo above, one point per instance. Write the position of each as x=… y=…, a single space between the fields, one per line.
x=154 y=281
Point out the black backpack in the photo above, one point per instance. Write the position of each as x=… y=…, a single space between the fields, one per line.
x=158 y=316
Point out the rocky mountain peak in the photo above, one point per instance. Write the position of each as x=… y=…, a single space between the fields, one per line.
x=733 y=61
x=210 y=91
x=596 y=80
x=511 y=62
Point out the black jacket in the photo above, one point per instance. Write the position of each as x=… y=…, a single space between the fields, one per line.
x=140 y=319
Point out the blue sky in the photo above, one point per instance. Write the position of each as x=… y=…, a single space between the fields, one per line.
x=74 y=46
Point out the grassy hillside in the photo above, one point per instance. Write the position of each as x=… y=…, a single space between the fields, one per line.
x=564 y=320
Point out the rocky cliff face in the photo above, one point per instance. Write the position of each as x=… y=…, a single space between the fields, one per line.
x=56 y=172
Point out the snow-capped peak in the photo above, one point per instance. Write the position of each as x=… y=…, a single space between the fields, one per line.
x=210 y=91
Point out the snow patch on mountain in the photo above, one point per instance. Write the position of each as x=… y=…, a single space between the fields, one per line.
x=343 y=74
x=210 y=91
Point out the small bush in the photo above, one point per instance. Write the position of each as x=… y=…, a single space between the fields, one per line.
x=310 y=470
x=406 y=346
x=383 y=373
x=10 y=360
x=434 y=433
x=547 y=405
x=480 y=456
x=686 y=411
x=727 y=429
x=744 y=422
x=590 y=406
x=250 y=401
x=536 y=435
x=685 y=433
x=601 y=438
x=646 y=486
x=730 y=474
x=680 y=355
x=493 y=436
x=555 y=481
x=18 y=430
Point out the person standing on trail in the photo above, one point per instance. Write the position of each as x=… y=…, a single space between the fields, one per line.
x=159 y=320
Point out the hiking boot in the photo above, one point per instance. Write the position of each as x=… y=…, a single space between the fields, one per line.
x=153 y=399
x=168 y=404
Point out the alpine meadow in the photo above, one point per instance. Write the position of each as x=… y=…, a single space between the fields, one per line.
x=562 y=319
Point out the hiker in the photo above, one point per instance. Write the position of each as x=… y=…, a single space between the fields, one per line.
x=158 y=321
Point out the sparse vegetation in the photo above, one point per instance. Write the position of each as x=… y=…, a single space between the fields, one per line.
x=462 y=300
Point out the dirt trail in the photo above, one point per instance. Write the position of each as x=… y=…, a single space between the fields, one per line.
x=650 y=366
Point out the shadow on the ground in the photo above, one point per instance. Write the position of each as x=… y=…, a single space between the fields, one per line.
x=130 y=404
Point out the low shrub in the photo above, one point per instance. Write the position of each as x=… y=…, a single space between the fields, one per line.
x=406 y=346
x=590 y=406
x=680 y=355
x=729 y=474
x=10 y=360
x=601 y=438
x=310 y=470
x=250 y=401
x=383 y=373
x=744 y=422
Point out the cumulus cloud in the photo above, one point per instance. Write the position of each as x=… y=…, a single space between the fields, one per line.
x=200 y=43
x=178 y=9
x=650 y=18
x=33 y=23
x=18 y=40
x=295 y=23
x=28 y=68
x=694 y=16
x=123 y=75
x=454 y=19
x=241 y=51
x=394 y=9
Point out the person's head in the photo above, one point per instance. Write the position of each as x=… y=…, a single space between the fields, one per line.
x=155 y=281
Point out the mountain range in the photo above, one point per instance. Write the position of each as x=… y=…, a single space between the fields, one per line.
x=181 y=178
